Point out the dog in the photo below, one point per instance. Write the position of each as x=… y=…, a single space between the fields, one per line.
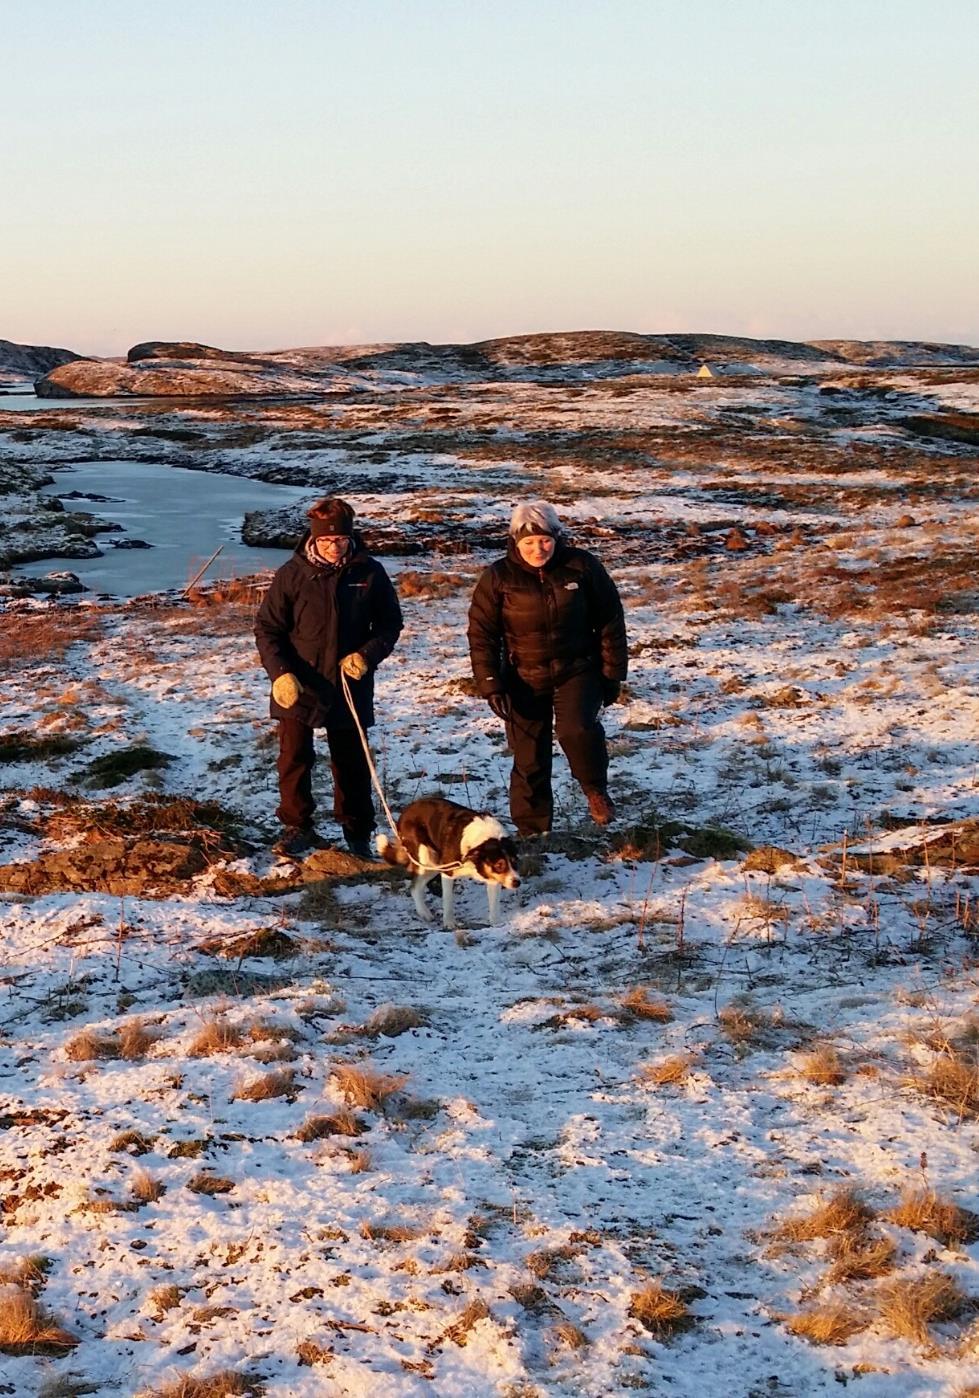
x=436 y=836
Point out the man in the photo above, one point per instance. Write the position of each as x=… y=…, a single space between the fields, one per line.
x=330 y=608
x=548 y=649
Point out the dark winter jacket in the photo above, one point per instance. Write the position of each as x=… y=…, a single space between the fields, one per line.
x=545 y=624
x=312 y=617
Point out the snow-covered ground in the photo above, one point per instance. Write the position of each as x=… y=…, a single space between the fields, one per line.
x=636 y=1079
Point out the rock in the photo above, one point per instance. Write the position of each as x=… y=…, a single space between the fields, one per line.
x=130 y=544
x=906 y=522
x=28 y=361
x=735 y=541
x=57 y=584
x=119 y=866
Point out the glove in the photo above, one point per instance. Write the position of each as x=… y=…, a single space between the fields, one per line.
x=354 y=665
x=286 y=690
x=501 y=704
x=610 y=692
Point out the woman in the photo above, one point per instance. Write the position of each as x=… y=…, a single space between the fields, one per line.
x=331 y=607
x=548 y=650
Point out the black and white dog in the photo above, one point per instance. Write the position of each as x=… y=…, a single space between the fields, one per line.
x=436 y=836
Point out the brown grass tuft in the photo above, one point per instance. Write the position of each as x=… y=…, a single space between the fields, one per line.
x=832 y=1324
x=391 y=1232
x=165 y=1298
x=308 y=1353
x=636 y=1004
x=569 y=1336
x=225 y=1384
x=908 y=1306
x=952 y=1080
x=88 y=1045
x=47 y=631
x=458 y=1331
x=858 y=1258
x=743 y=1026
x=207 y=1183
x=26 y=1328
x=30 y=1272
x=843 y=1212
x=388 y=1021
x=136 y=1039
x=146 y=1188
x=359 y=1161
x=280 y=1083
x=546 y=1261
x=132 y=1142
x=667 y=1072
x=217 y=1035
x=658 y=1310
x=365 y=1087
x=341 y=1123
x=923 y=1211
x=822 y=1067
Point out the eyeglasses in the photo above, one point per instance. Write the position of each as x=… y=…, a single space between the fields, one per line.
x=332 y=540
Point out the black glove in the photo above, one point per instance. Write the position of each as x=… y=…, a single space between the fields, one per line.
x=610 y=692
x=501 y=704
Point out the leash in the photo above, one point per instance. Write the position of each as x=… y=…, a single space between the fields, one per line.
x=429 y=868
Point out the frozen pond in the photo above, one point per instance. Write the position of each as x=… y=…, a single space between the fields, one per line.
x=183 y=514
x=27 y=402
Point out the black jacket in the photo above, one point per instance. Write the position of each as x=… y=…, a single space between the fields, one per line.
x=312 y=617
x=545 y=624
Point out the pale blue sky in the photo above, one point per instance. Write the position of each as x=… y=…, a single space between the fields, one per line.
x=258 y=174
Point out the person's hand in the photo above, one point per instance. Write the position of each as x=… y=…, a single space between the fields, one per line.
x=354 y=665
x=501 y=704
x=610 y=692
x=286 y=690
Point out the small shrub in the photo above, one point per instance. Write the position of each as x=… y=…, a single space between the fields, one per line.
x=146 y=1189
x=215 y=1036
x=667 y=1072
x=843 y=1212
x=822 y=1067
x=88 y=1045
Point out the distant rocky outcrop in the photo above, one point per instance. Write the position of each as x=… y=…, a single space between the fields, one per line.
x=160 y=368
x=23 y=363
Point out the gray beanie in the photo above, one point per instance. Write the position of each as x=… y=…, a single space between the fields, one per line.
x=536 y=517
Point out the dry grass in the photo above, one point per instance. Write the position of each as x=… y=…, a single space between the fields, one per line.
x=46 y=632
x=856 y=1257
x=546 y=1261
x=132 y=1142
x=458 y=1331
x=843 y=1212
x=364 y=1086
x=359 y=1161
x=66 y=1386
x=391 y=1232
x=822 y=1067
x=832 y=1324
x=658 y=1310
x=742 y=1025
x=341 y=1123
x=569 y=1336
x=458 y=1262
x=88 y=1045
x=952 y=1080
x=636 y=1004
x=667 y=1072
x=923 y=1211
x=146 y=1188
x=907 y=1307
x=280 y=1083
x=27 y=1328
x=29 y=1272
x=224 y=1384
x=216 y=1035
x=165 y=1298
x=391 y=1020
x=136 y=1039
x=308 y=1353
x=207 y=1183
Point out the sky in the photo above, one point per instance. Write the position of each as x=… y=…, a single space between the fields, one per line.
x=268 y=173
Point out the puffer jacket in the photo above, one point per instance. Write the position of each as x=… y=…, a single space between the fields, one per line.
x=311 y=617
x=545 y=624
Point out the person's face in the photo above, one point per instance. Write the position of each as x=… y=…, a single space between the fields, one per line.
x=331 y=547
x=536 y=549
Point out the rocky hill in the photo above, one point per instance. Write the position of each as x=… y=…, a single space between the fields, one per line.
x=23 y=363
x=187 y=369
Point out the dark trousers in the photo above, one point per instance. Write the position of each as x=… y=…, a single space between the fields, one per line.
x=352 y=803
x=571 y=710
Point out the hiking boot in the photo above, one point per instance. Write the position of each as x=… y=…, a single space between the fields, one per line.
x=296 y=841
x=601 y=807
x=359 y=846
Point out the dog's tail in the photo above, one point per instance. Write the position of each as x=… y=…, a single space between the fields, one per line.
x=392 y=851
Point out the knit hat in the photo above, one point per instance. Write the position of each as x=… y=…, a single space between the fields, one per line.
x=331 y=516
x=536 y=517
